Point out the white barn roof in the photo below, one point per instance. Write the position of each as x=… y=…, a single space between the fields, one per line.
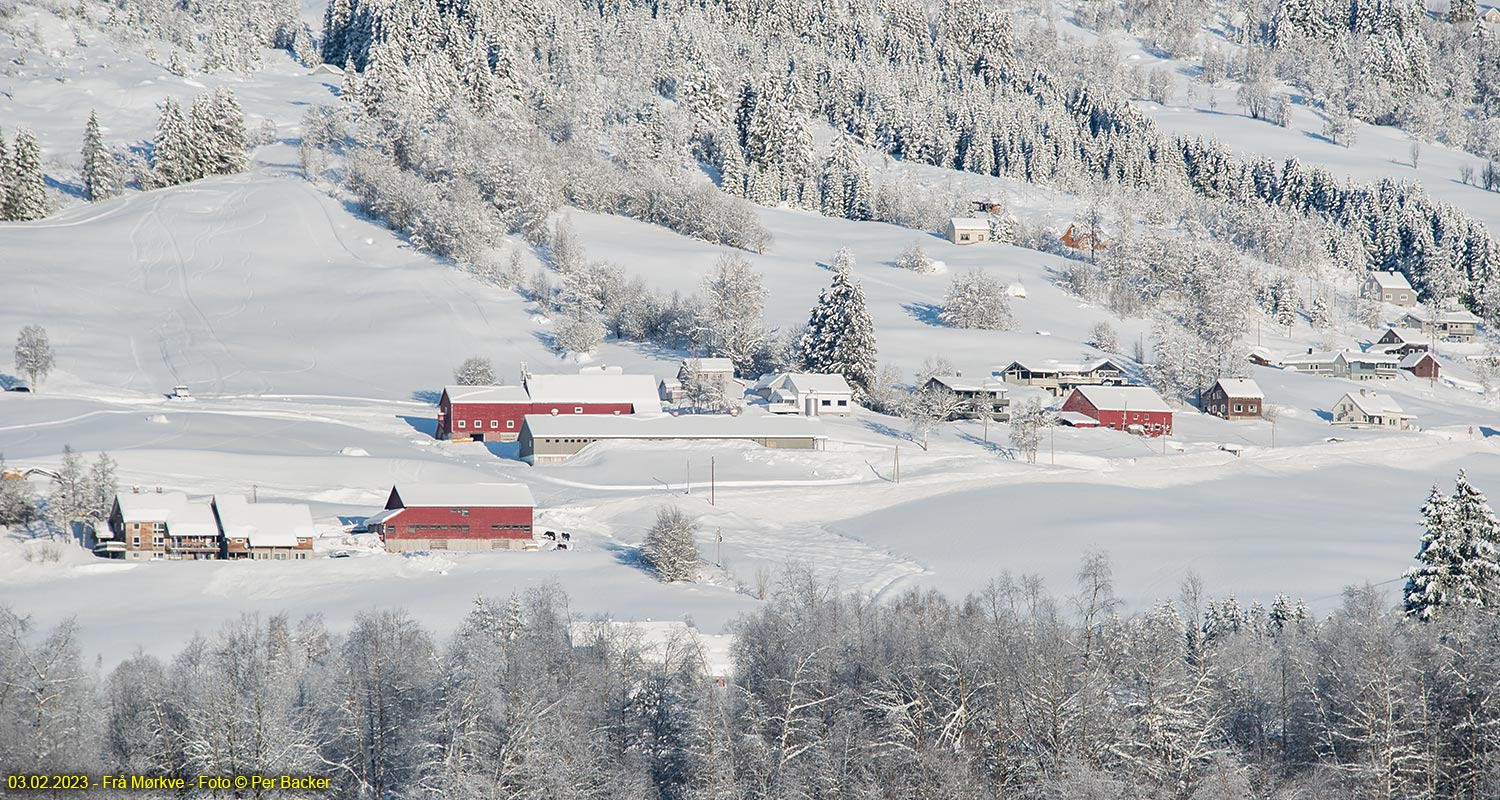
x=445 y=495
x=486 y=394
x=605 y=387
x=184 y=517
x=264 y=524
x=1390 y=280
x=959 y=383
x=1240 y=387
x=666 y=426
x=1123 y=398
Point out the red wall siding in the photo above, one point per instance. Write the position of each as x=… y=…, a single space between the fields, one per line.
x=479 y=521
x=1426 y=368
x=493 y=417
x=1117 y=419
x=482 y=413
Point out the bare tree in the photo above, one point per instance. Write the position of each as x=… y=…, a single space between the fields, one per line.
x=34 y=354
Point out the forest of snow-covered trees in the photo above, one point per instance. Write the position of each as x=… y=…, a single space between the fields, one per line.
x=1011 y=692
x=633 y=108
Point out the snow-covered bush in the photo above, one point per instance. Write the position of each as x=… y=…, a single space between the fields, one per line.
x=578 y=334
x=671 y=546
x=475 y=371
x=1102 y=336
x=977 y=300
x=914 y=258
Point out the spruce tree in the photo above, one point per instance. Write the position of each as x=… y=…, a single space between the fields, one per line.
x=26 y=195
x=7 y=174
x=223 y=127
x=172 y=153
x=840 y=336
x=1458 y=553
x=101 y=178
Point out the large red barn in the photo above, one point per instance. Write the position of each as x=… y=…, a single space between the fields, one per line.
x=495 y=413
x=1123 y=408
x=475 y=516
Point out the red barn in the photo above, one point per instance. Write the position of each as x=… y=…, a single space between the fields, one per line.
x=1422 y=365
x=1136 y=409
x=482 y=412
x=494 y=413
x=475 y=516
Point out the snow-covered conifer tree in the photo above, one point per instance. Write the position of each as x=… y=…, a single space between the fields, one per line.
x=1458 y=556
x=172 y=154
x=101 y=176
x=101 y=490
x=840 y=336
x=26 y=191
x=223 y=125
x=475 y=371
x=977 y=300
x=671 y=547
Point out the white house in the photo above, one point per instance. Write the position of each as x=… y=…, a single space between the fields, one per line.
x=1369 y=408
x=1389 y=287
x=264 y=531
x=967 y=230
x=806 y=393
x=717 y=372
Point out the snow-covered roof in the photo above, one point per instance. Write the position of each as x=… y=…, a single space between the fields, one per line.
x=969 y=223
x=447 y=495
x=264 y=524
x=1077 y=419
x=1447 y=317
x=1374 y=405
x=1413 y=359
x=1390 y=280
x=710 y=364
x=605 y=387
x=819 y=382
x=184 y=517
x=1396 y=332
x=959 y=383
x=1319 y=357
x=486 y=394
x=1123 y=398
x=666 y=426
x=1240 y=387
x=1370 y=358
x=1052 y=365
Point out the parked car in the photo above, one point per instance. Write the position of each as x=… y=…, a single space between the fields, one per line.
x=20 y=387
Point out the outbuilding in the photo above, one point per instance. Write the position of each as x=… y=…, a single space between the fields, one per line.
x=460 y=516
x=967 y=230
x=1422 y=365
x=1135 y=409
x=810 y=394
x=548 y=439
x=494 y=413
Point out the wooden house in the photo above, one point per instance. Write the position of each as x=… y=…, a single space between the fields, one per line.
x=810 y=394
x=1059 y=377
x=1388 y=287
x=1364 y=408
x=1422 y=364
x=159 y=525
x=976 y=396
x=1234 y=398
x=264 y=531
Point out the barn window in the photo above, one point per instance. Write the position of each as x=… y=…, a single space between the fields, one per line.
x=494 y=423
x=577 y=409
x=461 y=423
x=510 y=423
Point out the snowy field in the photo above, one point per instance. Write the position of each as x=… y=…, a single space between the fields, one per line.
x=316 y=340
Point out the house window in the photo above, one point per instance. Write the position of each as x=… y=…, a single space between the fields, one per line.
x=827 y=403
x=135 y=541
x=461 y=423
x=158 y=528
x=1252 y=408
x=1238 y=407
x=843 y=403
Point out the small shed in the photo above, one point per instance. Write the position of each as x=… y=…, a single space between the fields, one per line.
x=967 y=230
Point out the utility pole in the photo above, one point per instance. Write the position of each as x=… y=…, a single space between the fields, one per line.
x=688 y=478
x=898 y=463
x=254 y=493
x=1052 y=444
x=718 y=547
x=712 y=484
